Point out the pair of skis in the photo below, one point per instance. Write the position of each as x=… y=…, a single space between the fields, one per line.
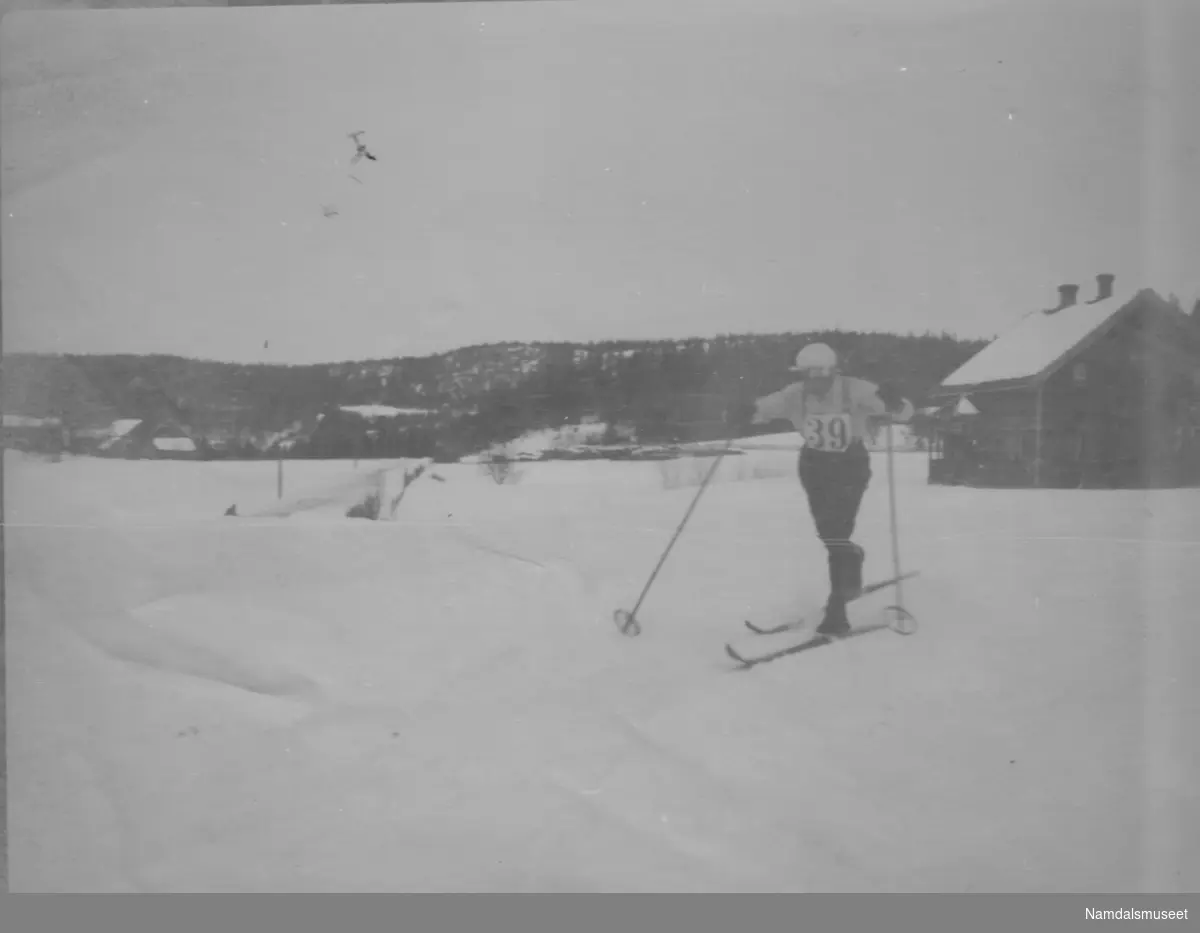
x=903 y=623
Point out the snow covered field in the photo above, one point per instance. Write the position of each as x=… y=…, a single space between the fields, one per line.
x=291 y=700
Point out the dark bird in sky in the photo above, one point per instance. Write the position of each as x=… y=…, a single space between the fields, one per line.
x=360 y=148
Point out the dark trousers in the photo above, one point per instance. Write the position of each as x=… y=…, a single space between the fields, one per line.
x=835 y=484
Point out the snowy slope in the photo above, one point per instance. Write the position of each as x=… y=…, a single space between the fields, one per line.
x=200 y=703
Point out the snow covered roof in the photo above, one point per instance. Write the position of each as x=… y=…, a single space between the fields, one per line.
x=382 y=411
x=23 y=421
x=175 y=443
x=1038 y=344
x=123 y=427
x=118 y=430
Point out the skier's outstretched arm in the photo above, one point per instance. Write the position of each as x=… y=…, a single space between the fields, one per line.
x=777 y=405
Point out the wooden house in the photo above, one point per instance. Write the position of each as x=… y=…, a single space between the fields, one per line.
x=1096 y=393
x=366 y=431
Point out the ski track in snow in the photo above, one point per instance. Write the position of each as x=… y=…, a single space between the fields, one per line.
x=291 y=700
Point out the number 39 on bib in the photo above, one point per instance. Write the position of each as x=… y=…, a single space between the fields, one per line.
x=829 y=433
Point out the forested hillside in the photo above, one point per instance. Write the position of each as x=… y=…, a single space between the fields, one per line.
x=472 y=396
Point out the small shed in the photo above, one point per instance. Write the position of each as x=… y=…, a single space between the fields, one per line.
x=136 y=439
x=1101 y=393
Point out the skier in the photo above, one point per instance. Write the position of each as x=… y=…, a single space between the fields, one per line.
x=833 y=412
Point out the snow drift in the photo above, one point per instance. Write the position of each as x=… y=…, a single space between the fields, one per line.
x=442 y=703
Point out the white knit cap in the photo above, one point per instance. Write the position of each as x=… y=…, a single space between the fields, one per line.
x=817 y=357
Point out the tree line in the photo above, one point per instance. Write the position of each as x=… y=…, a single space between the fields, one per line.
x=678 y=391
x=475 y=397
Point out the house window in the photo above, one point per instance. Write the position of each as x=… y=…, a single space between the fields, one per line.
x=1080 y=373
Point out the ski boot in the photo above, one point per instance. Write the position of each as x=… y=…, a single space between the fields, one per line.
x=845 y=584
x=835 y=623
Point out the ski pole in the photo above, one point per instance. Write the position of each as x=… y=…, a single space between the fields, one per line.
x=903 y=617
x=627 y=621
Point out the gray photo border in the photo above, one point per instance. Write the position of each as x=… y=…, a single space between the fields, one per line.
x=501 y=913
x=532 y=913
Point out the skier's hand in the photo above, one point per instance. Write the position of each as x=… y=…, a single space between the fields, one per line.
x=889 y=394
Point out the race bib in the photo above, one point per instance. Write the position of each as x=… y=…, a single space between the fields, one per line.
x=828 y=433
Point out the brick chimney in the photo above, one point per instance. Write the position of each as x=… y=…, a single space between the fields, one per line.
x=1067 y=296
x=1104 y=288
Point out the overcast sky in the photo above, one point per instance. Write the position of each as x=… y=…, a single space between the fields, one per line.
x=585 y=171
